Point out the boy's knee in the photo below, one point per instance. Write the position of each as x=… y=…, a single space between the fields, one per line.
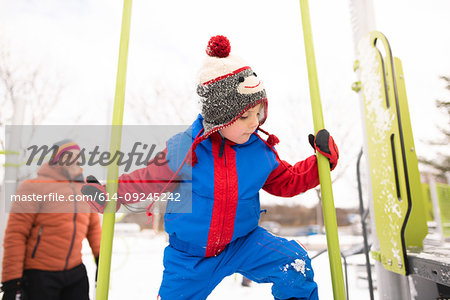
x=296 y=280
x=298 y=270
x=299 y=263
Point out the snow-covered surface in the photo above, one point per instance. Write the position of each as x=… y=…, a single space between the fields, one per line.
x=380 y=125
x=136 y=270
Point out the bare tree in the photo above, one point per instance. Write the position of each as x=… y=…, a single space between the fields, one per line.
x=158 y=103
x=441 y=164
x=31 y=84
x=20 y=80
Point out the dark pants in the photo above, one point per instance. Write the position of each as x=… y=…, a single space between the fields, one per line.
x=72 y=284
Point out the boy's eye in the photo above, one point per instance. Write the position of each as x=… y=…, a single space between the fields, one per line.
x=241 y=79
x=244 y=117
x=255 y=74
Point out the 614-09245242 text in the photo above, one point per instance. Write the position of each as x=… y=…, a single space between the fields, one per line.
x=132 y=197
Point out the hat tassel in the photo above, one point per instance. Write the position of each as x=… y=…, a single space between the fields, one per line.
x=272 y=139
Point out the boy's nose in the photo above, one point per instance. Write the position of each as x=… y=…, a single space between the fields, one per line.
x=254 y=122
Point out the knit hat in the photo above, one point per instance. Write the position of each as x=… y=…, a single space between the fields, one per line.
x=61 y=147
x=227 y=87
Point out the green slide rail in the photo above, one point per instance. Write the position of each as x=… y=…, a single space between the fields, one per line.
x=329 y=212
x=104 y=267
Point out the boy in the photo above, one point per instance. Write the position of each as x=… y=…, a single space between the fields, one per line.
x=230 y=164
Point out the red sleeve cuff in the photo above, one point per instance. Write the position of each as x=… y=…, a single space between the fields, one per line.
x=289 y=181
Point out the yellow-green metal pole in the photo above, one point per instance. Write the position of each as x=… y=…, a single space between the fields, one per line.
x=113 y=169
x=329 y=213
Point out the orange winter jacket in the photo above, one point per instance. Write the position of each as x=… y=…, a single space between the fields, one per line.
x=48 y=235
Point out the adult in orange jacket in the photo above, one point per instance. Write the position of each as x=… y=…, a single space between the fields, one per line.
x=43 y=239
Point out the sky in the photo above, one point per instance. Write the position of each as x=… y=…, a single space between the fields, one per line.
x=75 y=43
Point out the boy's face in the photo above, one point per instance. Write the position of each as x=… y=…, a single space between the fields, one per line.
x=240 y=131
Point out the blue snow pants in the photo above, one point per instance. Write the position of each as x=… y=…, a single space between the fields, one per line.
x=259 y=256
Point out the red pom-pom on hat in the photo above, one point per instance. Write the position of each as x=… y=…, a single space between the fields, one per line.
x=272 y=140
x=218 y=46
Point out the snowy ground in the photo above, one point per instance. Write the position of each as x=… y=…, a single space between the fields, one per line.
x=137 y=268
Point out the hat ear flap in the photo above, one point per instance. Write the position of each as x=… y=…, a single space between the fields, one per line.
x=202 y=90
x=263 y=113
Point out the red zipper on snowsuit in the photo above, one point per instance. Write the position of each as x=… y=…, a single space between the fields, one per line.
x=221 y=153
x=225 y=198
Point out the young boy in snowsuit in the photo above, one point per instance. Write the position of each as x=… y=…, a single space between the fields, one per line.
x=230 y=164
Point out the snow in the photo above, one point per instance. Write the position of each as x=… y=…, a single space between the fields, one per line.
x=299 y=266
x=136 y=270
x=372 y=89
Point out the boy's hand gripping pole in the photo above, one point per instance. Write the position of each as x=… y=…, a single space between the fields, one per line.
x=329 y=214
x=113 y=168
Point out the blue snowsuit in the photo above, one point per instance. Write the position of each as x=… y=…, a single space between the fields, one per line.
x=213 y=231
